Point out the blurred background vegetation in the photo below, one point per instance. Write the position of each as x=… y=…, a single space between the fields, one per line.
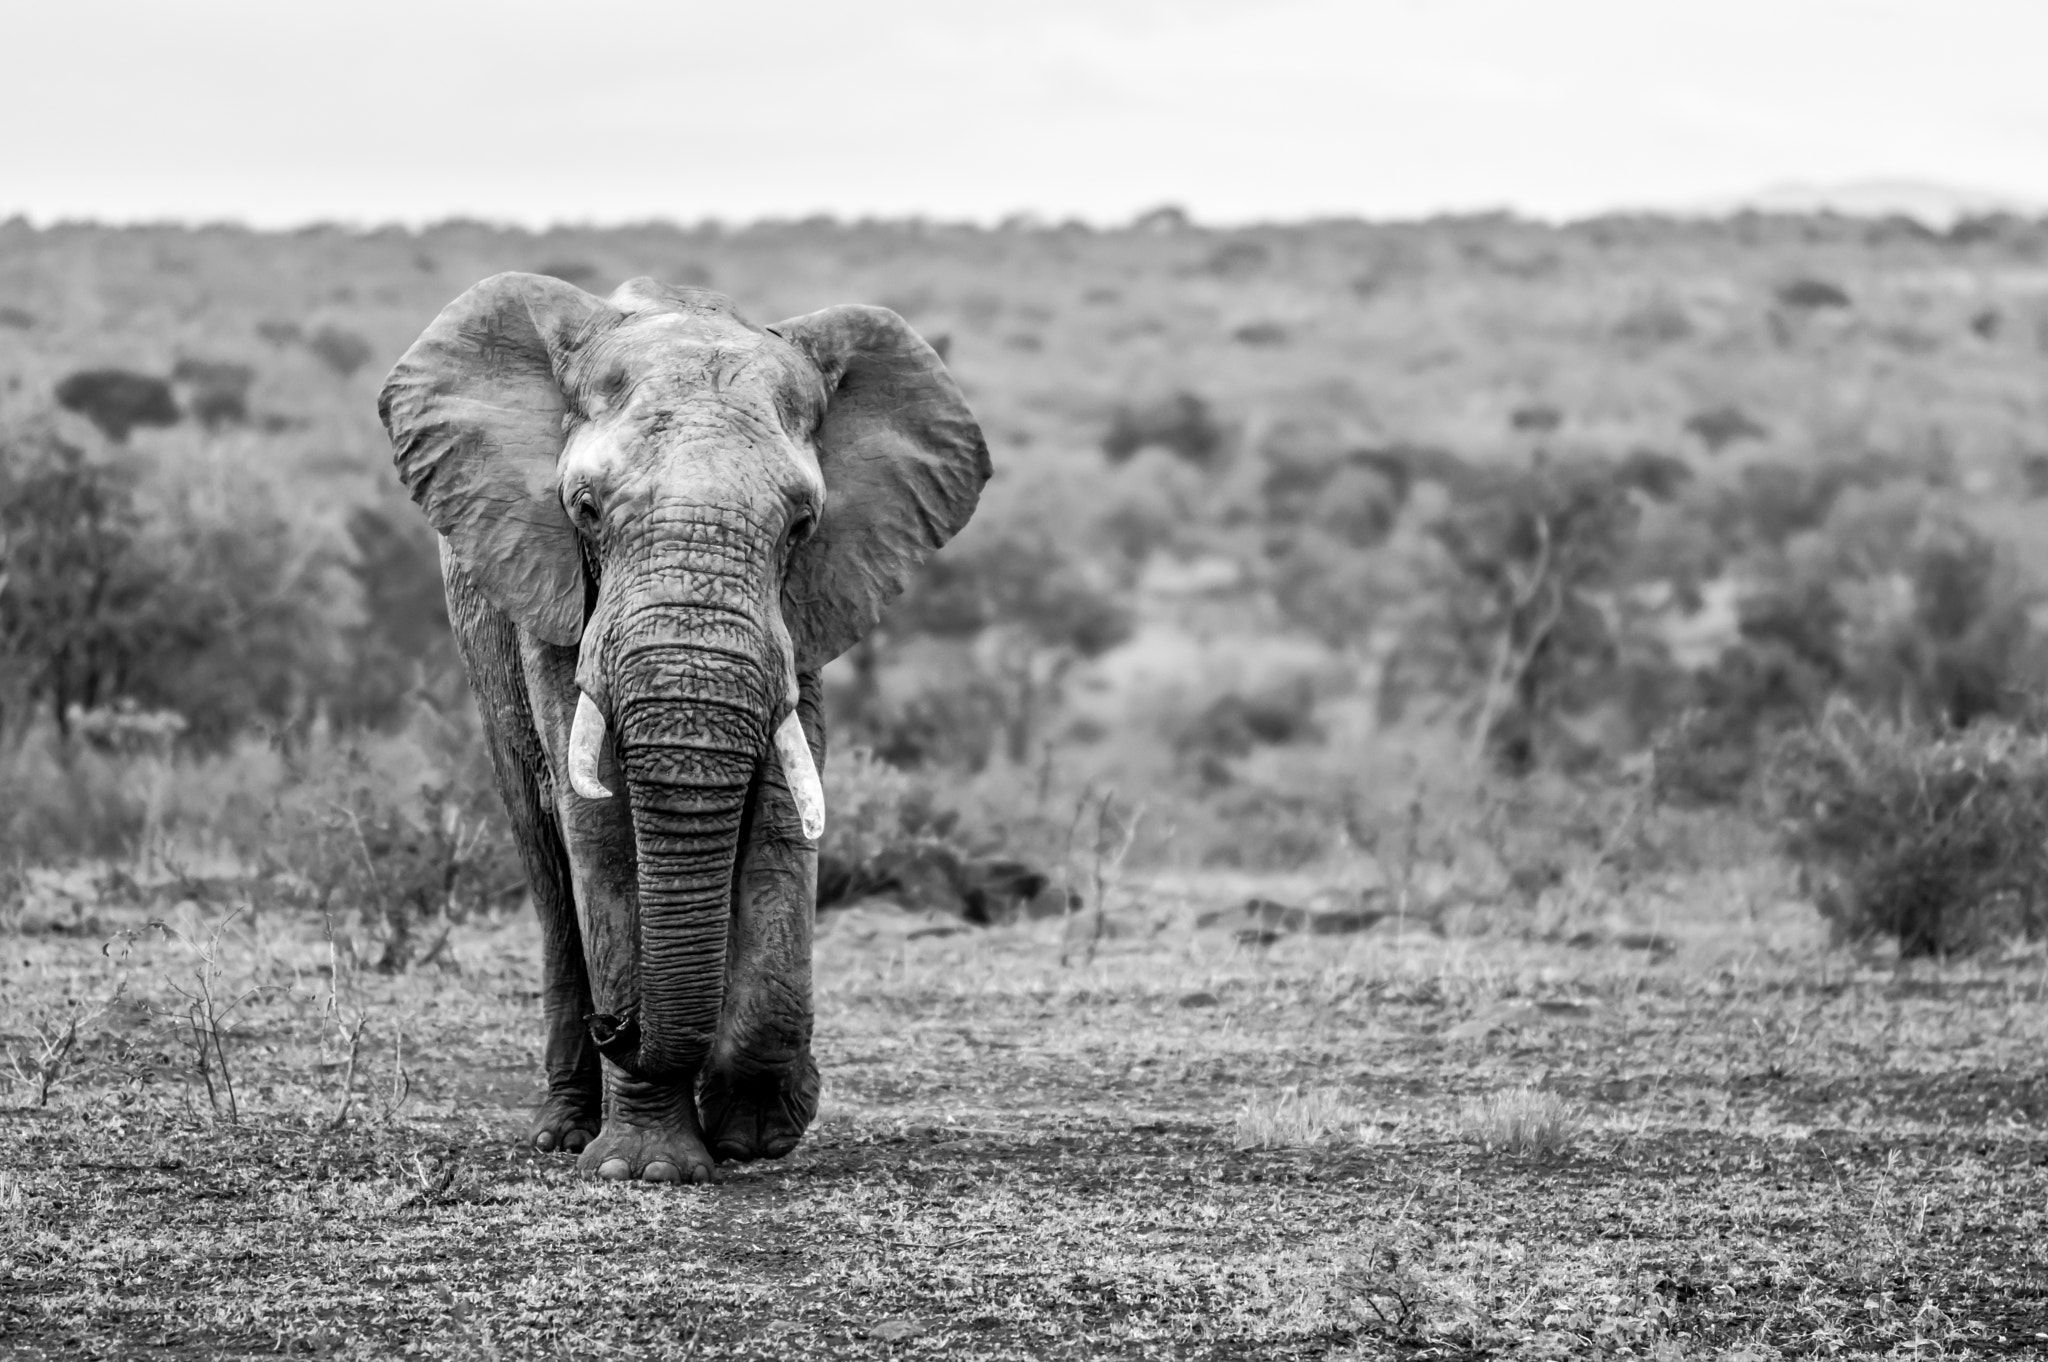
x=1307 y=545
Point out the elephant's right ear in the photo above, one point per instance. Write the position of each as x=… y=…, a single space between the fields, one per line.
x=475 y=411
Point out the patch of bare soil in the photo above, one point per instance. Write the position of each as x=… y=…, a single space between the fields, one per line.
x=1385 y=1145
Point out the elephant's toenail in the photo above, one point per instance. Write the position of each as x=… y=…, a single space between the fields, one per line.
x=544 y=1141
x=615 y=1169
x=575 y=1140
x=661 y=1171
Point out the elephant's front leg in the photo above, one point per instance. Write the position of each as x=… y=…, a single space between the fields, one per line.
x=569 y=1115
x=650 y=1128
x=760 y=1090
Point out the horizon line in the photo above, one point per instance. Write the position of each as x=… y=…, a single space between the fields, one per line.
x=1166 y=217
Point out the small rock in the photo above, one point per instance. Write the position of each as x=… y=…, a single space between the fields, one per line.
x=895 y=1329
x=1199 y=998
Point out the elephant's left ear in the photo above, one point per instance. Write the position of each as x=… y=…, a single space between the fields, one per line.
x=904 y=463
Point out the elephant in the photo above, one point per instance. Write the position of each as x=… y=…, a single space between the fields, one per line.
x=657 y=522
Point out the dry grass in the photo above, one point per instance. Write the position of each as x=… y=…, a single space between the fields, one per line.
x=1522 y=1120
x=1299 y=1118
x=1162 y=1152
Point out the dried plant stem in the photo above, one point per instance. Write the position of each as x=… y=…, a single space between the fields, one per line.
x=206 y=1012
x=1112 y=844
x=348 y=1073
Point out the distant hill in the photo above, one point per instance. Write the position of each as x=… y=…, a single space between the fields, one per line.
x=1937 y=205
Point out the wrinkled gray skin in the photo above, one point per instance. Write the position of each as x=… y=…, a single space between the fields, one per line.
x=650 y=501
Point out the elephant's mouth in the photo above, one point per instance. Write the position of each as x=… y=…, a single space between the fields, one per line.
x=586 y=743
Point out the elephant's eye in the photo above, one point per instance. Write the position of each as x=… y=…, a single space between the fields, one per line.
x=583 y=506
x=802 y=529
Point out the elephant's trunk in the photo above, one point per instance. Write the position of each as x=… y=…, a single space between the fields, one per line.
x=692 y=723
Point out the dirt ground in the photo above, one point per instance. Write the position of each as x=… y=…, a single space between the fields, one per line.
x=1737 y=1142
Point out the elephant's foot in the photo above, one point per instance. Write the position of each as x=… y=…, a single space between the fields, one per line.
x=568 y=1117
x=755 y=1111
x=650 y=1134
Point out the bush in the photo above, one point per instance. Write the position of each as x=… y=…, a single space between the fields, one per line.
x=117 y=401
x=405 y=870
x=402 y=648
x=1261 y=334
x=1719 y=427
x=216 y=612
x=60 y=804
x=1896 y=605
x=1531 y=558
x=340 y=350
x=1031 y=611
x=1233 y=724
x=1181 y=423
x=885 y=833
x=872 y=808
x=79 y=599
x=1937 y=841
x=1809 y=295
x=219 y=390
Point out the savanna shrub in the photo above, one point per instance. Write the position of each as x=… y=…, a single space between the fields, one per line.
x=339 y=349
x=947 y=725
x=1938 y=841
x=880 y=818
x=1181 y=422
x=1809 y=295
x=117 y=400
x=1523 y=627
x=219 y=390
x=1235 y=723
x=400 y=858
x=215 y=612
x=402 y=647
x=60 y=802
x=1893 y=604
x=1719 y=427
x=1022 y=611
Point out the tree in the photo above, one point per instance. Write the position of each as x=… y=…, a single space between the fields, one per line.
x=1028 y=612
x=218 y=613
x=402 y=647
x=75 y=591
x=1531 y=558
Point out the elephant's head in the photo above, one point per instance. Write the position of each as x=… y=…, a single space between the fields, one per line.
x=704 y=508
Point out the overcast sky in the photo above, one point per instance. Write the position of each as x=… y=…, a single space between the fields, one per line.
x=379 y=110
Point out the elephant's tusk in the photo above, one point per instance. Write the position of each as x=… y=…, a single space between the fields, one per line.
x=801 y=775
x=586 y=741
